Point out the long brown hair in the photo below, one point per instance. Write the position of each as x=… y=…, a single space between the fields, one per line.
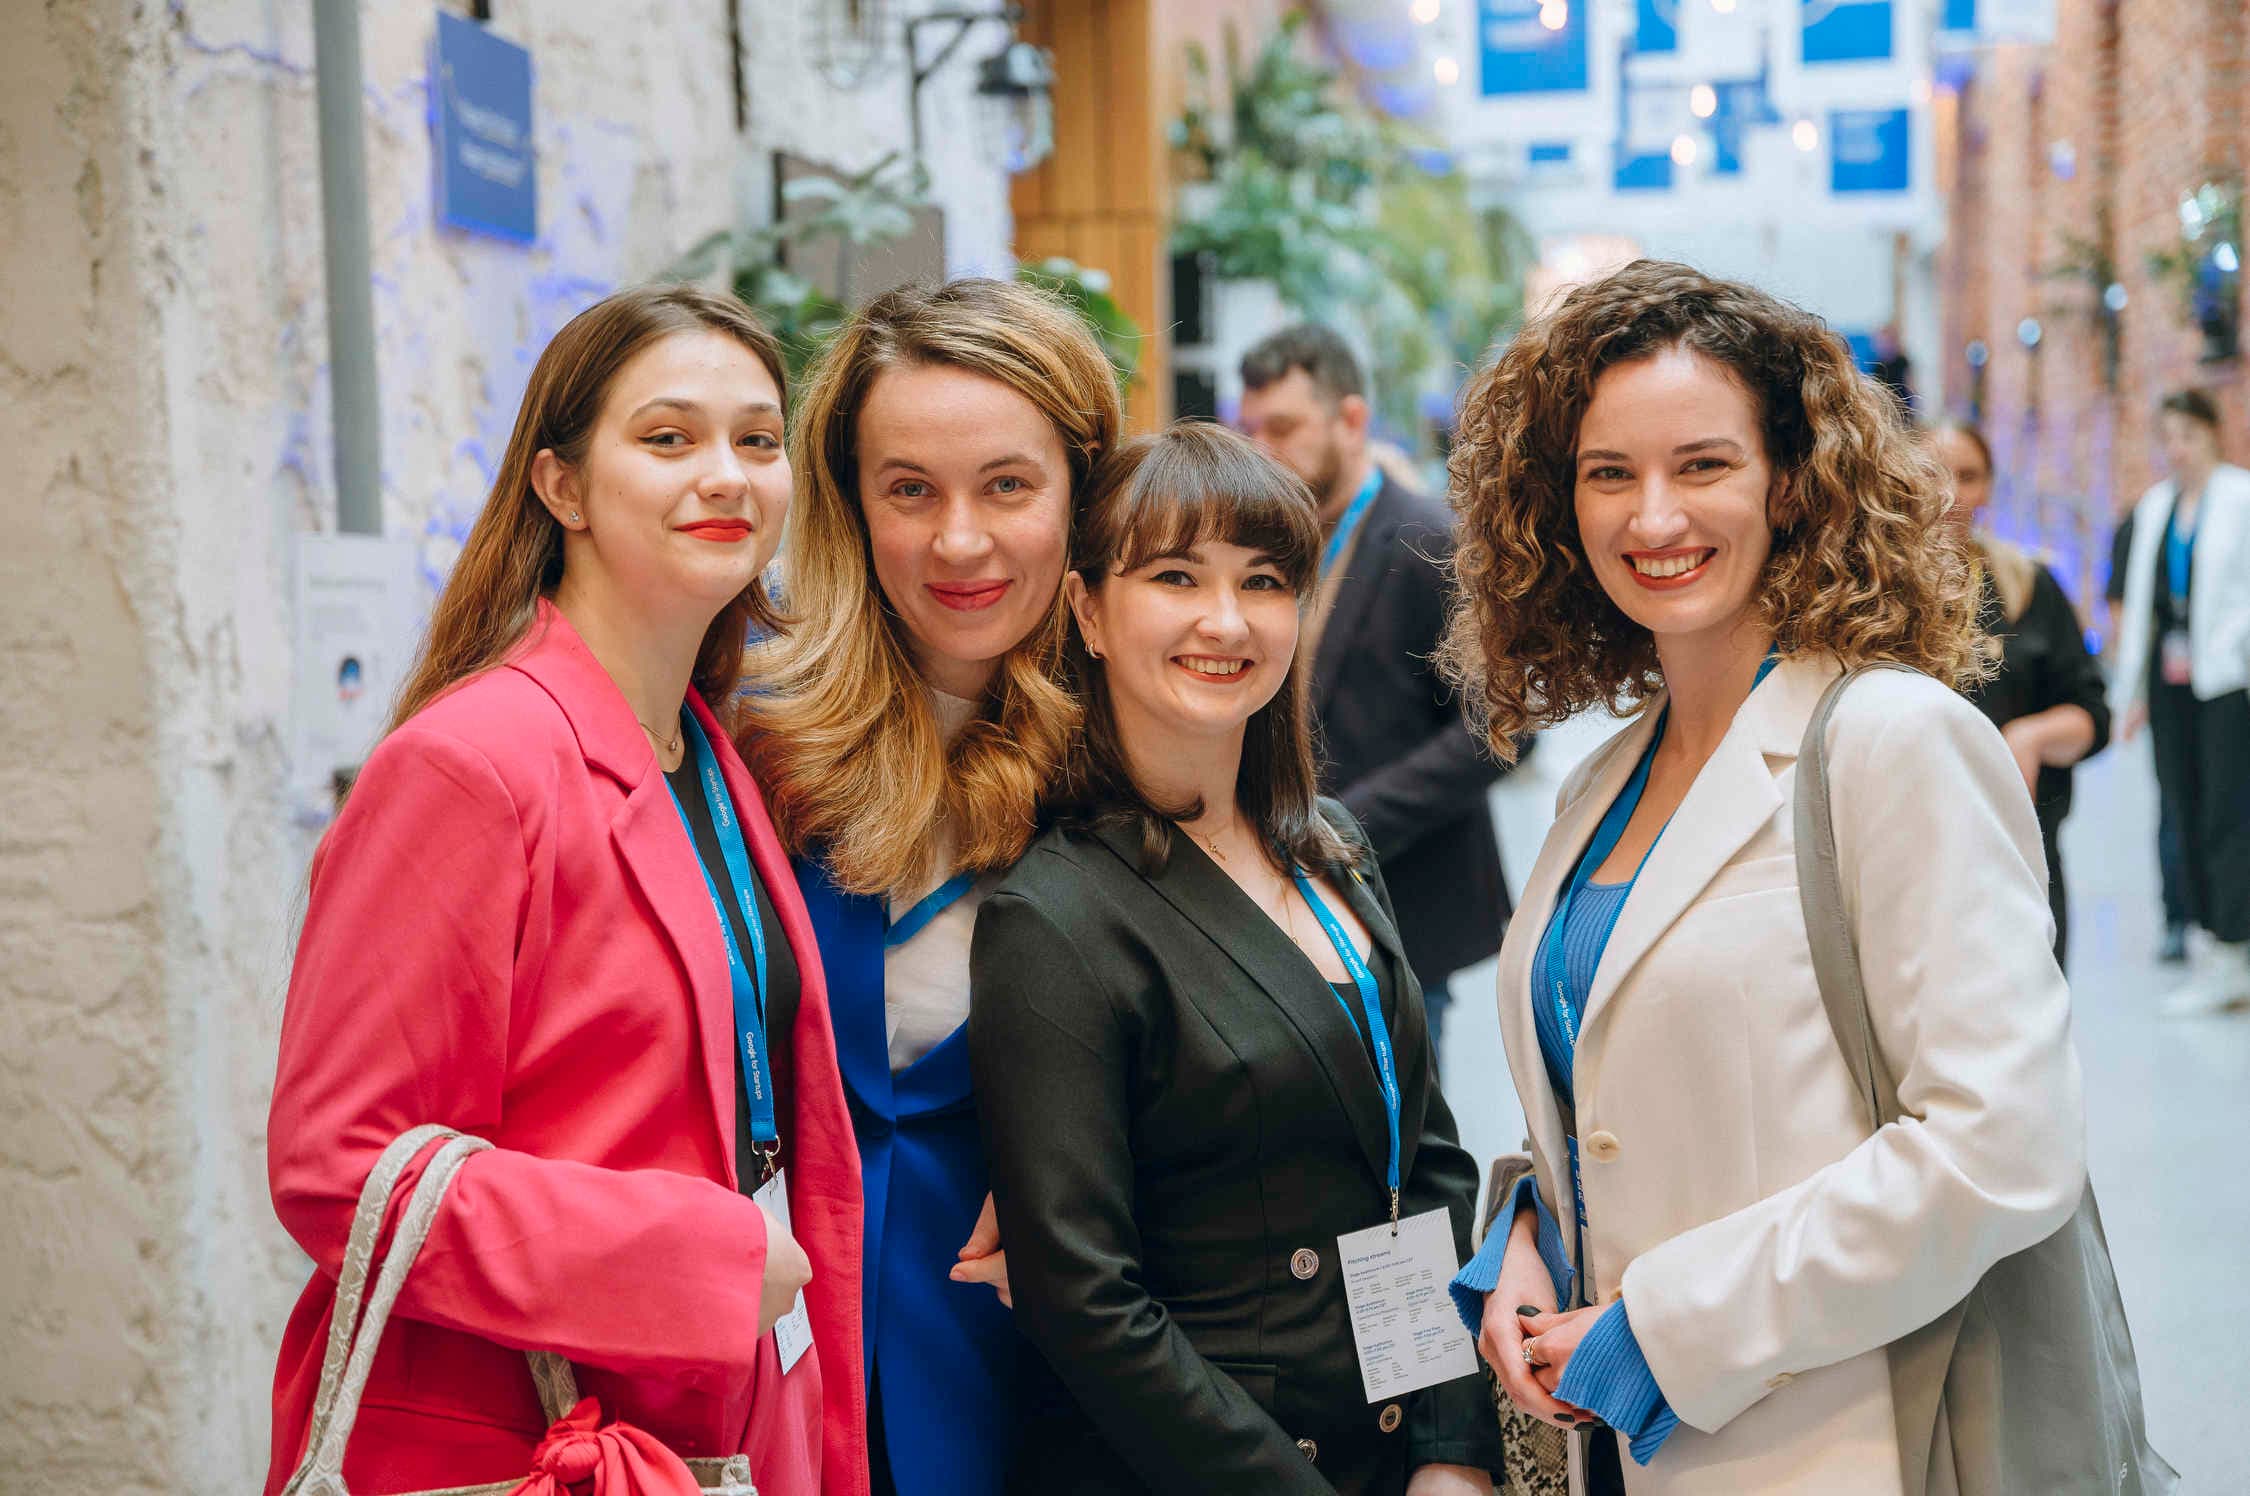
x=514 y=553
x=839 y=727
x=1163 y=496
x=1864 y=566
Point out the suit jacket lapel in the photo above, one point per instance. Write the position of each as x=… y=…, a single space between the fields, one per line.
x=1573 y=829
x=1210 y=900
x=1363 y=570
x=656 y=851
x=849 y=931
x=1732 y=799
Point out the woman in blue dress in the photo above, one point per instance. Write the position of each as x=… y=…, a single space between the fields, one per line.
x=907 y=724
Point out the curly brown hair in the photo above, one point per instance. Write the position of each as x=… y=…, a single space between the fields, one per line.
x=1862 y=568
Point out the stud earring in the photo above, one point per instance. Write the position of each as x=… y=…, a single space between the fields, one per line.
x=574 y=516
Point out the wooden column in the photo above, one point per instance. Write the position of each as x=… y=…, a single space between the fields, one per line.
x=1104 y=197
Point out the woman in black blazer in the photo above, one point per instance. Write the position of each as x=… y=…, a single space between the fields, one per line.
x=1178 y=1079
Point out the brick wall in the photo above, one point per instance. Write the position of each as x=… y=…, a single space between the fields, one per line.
x=2089 y=141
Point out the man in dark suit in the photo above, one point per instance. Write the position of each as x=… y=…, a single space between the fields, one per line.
x=1396 y=750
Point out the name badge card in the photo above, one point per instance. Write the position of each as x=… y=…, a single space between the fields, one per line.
x=1403 y=1321
x=792 y=1333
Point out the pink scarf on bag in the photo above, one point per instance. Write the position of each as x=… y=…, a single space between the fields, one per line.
x=582 y=1456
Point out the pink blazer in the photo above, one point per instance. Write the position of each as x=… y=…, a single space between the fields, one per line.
x=509 y=933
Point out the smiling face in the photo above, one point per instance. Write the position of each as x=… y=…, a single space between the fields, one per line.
x=678 y=499
x=1191 y=645
x=966 y=492
x=1672 y=493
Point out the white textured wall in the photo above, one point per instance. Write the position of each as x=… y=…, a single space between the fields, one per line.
x=163 y=407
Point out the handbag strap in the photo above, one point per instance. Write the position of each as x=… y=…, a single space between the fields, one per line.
x=336 y=1405
x=351 y=1281
x=1828 y=929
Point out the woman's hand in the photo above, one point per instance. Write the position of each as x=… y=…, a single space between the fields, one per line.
x=982 y=1261
x=1553 y=1338
x=1449 y=1480
x=2136 y=718
x=788 y=1270
x=1523 y=1285
x=2027 y=744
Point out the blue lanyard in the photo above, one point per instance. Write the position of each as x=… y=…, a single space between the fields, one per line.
x=1606 y=837
x=935 y=903
x=1370 y=1002
x=1351 y=518
x=749 y=992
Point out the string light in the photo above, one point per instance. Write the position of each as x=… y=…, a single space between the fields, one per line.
x=1683 y=150
x=1554 y=14
x=1423 y=11
x=1447 y=71
x=1703 y=101
x=1805 y=134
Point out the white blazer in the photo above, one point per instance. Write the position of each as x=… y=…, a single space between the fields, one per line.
x=1766 y=1247
x=2218 y=595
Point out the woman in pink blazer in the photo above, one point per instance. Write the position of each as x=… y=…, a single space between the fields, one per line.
x=515 y=929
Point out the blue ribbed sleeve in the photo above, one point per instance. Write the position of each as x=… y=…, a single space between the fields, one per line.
x=1482 y=1273
x=1609 y=1376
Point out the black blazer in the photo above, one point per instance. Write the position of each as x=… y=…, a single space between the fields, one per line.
x=1397 y=752
x=1181 y=1120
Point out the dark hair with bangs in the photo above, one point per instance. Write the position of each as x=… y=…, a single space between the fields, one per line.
x=1164 y=495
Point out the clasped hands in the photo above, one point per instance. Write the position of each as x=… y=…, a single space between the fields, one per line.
x=1520 y=1310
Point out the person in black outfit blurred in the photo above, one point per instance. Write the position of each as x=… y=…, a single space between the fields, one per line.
x=2171 y=857
x=2048 y=699
x=1396 y=750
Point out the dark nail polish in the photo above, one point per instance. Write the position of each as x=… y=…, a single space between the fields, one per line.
x=1526 y=1309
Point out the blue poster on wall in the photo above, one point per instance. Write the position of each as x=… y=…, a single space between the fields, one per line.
x=1958 y=15
x=1868 y=150
x=480 y=132
x=1846 y=30
x=1532 y=46
x=1656 y=26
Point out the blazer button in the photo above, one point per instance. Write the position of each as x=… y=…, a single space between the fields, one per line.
x=1392 y=1417
x=1602 y=1145
x=1304 y=1262
x=1309 y=1450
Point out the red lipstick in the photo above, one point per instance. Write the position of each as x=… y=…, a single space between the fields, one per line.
x=968 y=597
x=724 y=531
x=1700 y=554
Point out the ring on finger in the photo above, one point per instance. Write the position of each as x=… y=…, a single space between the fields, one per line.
x=1531 y=1356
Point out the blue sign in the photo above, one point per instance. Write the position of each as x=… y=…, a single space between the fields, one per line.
x=1652 y=173
x=1520 y=53
x=1959 y=15
x=1868 y=150
x=1846 y=30
x=1550 y=153
x=480 y=129
x=1656 y=26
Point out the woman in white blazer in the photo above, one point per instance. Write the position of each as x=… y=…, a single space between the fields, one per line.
x=2183 y=666
x=1678 y=495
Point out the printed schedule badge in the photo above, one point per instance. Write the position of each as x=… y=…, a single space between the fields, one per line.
x=792 y=1333
x=1403 y=1320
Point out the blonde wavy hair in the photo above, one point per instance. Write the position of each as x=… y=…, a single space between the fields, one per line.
x=836 y=722
x=1863 y=568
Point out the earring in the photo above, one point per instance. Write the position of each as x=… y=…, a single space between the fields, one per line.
x=574 y=516
x=1095 y=653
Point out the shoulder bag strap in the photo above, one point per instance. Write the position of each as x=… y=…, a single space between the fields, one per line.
x=336 y=1405
x=1820 y=890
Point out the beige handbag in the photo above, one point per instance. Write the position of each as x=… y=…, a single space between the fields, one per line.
x=2029 y=1384
x=352 y=1340
x=1535 y=1454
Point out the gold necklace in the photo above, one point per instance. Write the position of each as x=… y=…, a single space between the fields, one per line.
x=669 y=746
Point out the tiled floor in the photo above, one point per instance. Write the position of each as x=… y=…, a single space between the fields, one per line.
x=2168 y=1105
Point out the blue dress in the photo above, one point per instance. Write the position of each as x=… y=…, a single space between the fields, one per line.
x=941 y=1356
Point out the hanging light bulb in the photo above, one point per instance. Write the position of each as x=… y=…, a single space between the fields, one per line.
x=1723 y=7
x=1423 y=11
x=1446 y=71
x=1683 y=150
x=1554 y=14
x=1703 y=101
x=1805 y=135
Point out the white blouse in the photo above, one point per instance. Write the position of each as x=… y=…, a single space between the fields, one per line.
x=926 y=980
